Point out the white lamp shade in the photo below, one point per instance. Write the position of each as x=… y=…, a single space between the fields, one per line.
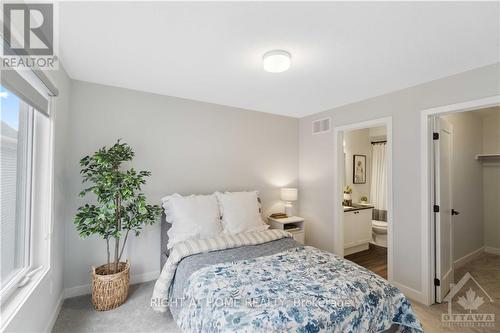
x=289 y=194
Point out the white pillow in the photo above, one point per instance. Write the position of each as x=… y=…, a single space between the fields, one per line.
x=240 y=212
x=192 y=217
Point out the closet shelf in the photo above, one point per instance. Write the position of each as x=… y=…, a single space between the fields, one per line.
x=488 y=157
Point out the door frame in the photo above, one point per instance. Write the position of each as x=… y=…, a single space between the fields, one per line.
x=338 y=184
x=427 y=184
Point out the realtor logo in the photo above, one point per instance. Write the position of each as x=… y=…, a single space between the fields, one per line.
x=35 y=24
x=29 y=36
x=468 y=313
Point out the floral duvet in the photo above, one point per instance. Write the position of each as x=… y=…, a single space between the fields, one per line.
x=298 y=290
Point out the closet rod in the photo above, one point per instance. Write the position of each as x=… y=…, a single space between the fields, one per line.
x=375 y=142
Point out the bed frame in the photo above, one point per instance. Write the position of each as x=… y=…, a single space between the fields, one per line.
x=165 y=226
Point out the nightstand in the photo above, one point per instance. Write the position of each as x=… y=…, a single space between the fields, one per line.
x=292 y=224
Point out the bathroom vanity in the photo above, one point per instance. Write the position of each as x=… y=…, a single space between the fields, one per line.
x=357 y=228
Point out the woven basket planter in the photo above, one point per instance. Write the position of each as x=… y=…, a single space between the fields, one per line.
x=110 y=290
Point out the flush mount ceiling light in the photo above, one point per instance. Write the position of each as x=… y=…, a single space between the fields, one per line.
x=276 y=61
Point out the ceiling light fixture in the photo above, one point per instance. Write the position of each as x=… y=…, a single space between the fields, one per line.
x=276 y=61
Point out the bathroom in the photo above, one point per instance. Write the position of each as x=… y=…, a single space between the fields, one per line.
x=366 y=198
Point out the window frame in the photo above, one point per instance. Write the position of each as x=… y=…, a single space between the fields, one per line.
x=15 y=280
x=41 y=193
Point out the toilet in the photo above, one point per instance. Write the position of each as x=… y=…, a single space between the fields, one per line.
x=379 y=233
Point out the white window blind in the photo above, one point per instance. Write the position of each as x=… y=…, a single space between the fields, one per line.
x=18 y=86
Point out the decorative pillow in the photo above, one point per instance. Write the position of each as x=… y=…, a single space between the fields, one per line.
x=194 y=216
x=240 y=212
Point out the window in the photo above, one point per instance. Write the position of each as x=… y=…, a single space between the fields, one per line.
x=15 y=181
x=26 y=187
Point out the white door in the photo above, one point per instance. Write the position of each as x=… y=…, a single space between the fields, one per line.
x=443 y=199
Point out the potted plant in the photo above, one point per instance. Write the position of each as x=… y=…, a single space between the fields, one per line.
x=118 y=208
x=363 y=199
x=347 y=196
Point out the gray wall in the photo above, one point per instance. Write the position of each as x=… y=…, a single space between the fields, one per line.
x=491 y=182
x=190 y=147
x=358 y=142
x=38 y=310
x=316 y=161
x=467 y=192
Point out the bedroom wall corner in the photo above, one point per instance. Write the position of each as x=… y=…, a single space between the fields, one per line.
x=189 y=146
x=491 y=183
x=404 y=106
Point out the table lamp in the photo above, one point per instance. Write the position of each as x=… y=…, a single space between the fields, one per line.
x=288 y=195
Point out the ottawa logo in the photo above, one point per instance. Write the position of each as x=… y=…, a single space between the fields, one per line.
x=468 y=314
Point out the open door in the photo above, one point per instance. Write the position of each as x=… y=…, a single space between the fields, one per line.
x=443 y=208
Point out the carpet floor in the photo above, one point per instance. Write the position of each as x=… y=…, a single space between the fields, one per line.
x=135 y=315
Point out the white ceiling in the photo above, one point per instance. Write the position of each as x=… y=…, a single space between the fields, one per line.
x=341 y=52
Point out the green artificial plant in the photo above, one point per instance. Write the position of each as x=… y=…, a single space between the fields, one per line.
x=120 y=206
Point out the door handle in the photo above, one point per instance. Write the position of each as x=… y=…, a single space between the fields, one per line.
x=455 y=212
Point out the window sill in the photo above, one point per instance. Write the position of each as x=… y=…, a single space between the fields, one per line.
x=14 y=303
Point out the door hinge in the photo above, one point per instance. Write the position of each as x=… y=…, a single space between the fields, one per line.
x=437 y=282
x=435 y=136
x=436 y=209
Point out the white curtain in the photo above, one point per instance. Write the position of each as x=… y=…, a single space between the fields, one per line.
x=379 y=176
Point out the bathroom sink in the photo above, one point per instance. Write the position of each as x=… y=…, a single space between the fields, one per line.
x=356 y=207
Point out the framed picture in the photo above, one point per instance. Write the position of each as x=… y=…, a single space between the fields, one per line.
x=359 y=169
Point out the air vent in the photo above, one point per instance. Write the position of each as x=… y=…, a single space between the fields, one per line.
x=321 y=126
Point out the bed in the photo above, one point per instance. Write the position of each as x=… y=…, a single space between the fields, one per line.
x=266 y=282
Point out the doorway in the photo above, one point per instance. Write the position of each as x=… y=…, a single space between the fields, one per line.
x=462 y=163
x=363 y=194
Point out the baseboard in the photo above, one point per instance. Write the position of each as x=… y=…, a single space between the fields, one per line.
x=55 y=314
x=145 y=277
x=468 y=258
x=410 y=293
x=86 y=288
x=356 y=249
x=492 y=250
x=77 y=291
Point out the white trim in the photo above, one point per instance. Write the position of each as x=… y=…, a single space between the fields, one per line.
x=426 y=185
x=356 y=248
x=338 y=211
x=468 y=258
x=12 y=306
x=77 y=291
x=409 y=292
x=11 y=287
x=87 y=288
x=55 y=314
x=492 y=250
x=51 y=203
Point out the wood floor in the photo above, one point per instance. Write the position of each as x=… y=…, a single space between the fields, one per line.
x=375 y=259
